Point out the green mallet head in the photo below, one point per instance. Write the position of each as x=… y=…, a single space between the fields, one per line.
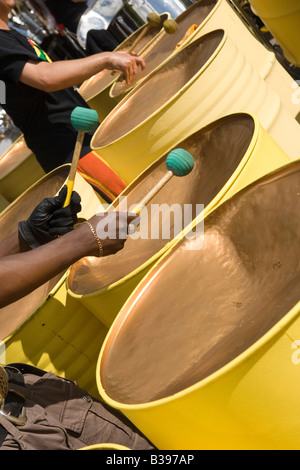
x=84 y=119
x=180 y=162
x=154 y=19
x=170 y=26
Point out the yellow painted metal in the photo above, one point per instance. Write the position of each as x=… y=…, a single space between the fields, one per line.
x=96 y=89
x=60 y=336
x=283 y=21
x=263 y=59
x=250 y=402
x=195 y=87
x=104 y=285
x=47 y=328
x=210 y=15
x=19 y=170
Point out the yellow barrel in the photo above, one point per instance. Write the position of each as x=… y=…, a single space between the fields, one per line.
x=228 y=154
x=95 y=90
x=194 y=88
x=164 y=46
x=47 y=328
x=283 y=21
x=207 y=16
x=205 y=353
x=19 y=170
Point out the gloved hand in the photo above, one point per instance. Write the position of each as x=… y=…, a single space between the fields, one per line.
x=50 y=219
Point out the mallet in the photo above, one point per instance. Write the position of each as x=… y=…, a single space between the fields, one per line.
x=170 y=27
x=179 y=163
x=153 y=20
x=83 y=120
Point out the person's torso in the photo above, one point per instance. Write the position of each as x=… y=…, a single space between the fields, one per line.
x=43 y=118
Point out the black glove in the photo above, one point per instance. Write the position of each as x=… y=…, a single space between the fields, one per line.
x=50 y=219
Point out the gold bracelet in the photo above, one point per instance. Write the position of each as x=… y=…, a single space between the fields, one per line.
x=96 y=236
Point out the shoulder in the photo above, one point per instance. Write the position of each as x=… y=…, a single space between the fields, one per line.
x=12 y=43
x=8 y=36
x=14 y=46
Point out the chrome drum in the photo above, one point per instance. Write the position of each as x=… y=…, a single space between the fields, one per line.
x=33 y=19
x=99 y=15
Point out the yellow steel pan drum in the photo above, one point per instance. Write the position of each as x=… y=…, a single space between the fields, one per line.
x=206 y=16
x=228 y=154
x=194 y=88
x=95 y=90
x=19 y=169
x=283 y=21
x=160 y=50
x=204 y=353
x=46 y=328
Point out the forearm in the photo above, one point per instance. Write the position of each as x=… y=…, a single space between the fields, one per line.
x=22 y=273
x=55 y=76
x=59 y=75
x=13 y=245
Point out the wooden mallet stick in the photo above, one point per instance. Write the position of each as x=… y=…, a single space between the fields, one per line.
x=83 y=120
x=170 y=27
x=179 y=163
x=154 y=20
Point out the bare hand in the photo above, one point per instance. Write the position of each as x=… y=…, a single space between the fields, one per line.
x=111 y=229
x=127 y=63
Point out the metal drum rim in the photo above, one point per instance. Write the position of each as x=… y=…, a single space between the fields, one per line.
x=276 y=331
x=205 y=213
x=118 y=48
x=267 y=338
x=168 y=102
x=187 y=42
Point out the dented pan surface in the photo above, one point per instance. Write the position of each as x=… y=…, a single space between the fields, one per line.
x=206 y=340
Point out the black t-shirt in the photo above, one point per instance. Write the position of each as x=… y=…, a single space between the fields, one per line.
x=67 y=12
x=43 y=118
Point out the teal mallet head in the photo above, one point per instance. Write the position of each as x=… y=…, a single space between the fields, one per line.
x=84 y=119
x=180 y=162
